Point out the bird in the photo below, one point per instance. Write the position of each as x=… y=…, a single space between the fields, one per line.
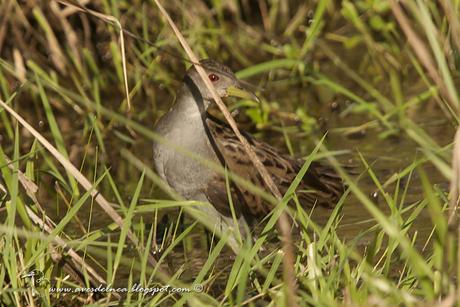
x=189 y=126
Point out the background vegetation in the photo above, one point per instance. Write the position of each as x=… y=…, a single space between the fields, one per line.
x=380 y=77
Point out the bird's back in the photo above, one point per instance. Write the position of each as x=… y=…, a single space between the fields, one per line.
x=321 y=185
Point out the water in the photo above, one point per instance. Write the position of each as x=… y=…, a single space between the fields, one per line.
x=386 y=156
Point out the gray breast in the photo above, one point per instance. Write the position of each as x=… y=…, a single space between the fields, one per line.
x=183 y=127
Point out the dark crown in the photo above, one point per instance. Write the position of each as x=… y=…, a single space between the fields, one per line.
x=210 y=64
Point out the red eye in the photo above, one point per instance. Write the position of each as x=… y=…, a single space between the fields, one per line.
x=213 y=77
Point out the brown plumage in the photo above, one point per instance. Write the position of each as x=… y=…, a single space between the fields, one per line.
x=320 y=186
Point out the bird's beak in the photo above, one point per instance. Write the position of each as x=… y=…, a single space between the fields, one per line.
x=241 y=91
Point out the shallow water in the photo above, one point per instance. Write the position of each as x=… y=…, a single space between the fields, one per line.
x=386 y=156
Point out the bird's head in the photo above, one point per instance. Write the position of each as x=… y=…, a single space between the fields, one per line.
x=223 y=79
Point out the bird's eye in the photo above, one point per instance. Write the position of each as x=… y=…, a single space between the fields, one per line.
x=213 y=77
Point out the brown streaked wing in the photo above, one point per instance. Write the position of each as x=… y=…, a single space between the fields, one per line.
x=238 y=163
x=216 y=192
x=320 y=185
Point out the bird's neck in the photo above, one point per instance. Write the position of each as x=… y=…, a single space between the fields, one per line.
x=191 y=89
x=185 y=122
x=190 y=102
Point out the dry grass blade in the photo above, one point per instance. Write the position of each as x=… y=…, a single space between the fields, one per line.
x=30 y=186
x=421 y=51
x=455 y=183
x=5 y=8
x=283 y=222
x=70 y=10
x=453 y=21
x=57 y=55
x=103 y=203
x=19 y=66
x=114 y=21
x=94 y=276
x=45 y=223
x=71 y=36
